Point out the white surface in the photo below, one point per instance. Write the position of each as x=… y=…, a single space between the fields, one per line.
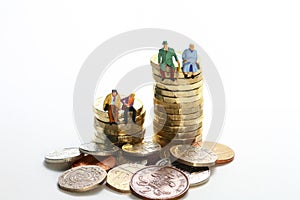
x=254 y=44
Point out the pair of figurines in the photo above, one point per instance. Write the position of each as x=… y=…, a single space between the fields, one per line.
x=189 y=61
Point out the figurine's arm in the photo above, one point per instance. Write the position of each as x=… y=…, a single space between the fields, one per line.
x=184 y=56
x=159 y=57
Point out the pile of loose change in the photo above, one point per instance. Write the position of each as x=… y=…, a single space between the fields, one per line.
x=138 y=168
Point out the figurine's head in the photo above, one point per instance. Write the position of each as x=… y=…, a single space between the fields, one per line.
x=192 y=47
x=132 y=95
x=114 y=92
x=165 y=44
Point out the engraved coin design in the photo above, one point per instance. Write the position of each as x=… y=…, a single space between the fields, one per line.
x=98 y=149
x=142 y=149
x=224 y=153
x=119 y=177
x=193 y=156
x=82 y=178
x=63 y=155
x=158 y=182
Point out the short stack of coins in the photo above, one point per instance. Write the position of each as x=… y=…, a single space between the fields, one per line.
x=120 y=133
x=178 y=107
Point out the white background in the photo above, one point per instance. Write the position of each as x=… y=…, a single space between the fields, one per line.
x=254 y=44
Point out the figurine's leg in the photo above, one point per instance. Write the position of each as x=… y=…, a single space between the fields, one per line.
x=133 y=114
x=116 y=114
x=163 y=75
x=126 y=115
x=110 y=114
x=172 y=70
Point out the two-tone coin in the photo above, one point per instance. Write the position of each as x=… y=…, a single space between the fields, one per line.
x=119 y=177
x=193 y=156
x=145 y=148
x=64 y=155
x=159 y=182
x=97 y=149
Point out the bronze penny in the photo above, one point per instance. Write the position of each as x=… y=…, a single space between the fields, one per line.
x=159 y=182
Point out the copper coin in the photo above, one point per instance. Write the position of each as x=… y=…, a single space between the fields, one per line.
x=159 y=182
x=105 y=163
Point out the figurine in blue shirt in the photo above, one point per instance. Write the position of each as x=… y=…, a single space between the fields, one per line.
x=189 y=61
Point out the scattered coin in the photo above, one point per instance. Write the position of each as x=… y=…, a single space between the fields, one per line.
x=158 y=182
x=63 y=156
x=98 y=149
x=82 y=178
x=145 y=148
x=196 y=175
x=120 y=176
x=224 y=153
x=193 y=156
x=105 y=163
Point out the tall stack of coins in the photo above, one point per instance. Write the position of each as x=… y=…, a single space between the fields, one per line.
x=121 y=133
x=178 y=107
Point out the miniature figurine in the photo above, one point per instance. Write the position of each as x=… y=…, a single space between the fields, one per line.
x=112 y=104
x=128 y=106
x=189 y=63
x=165 y=60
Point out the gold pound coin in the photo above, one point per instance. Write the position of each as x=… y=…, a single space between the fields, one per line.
x=180 y=87
x=195 y=104
x=178 y=94
x=145 y=148
x=178 y=81
x=119 y=177
x=224 y=153
x=193 y=156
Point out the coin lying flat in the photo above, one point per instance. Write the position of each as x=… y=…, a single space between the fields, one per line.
x=196 y=175
x=224 y=153
x=119 y=177
x=193 y=156
x=145 y=148
x=105 y=163
x=63 y=156
x=158 y=182
x=97 y=149
x=82 y=178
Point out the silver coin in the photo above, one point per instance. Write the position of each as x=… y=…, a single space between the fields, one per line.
x=82 y=178
x=164 y=162
x=64 y=155
x=98 y=149
x=197 y=176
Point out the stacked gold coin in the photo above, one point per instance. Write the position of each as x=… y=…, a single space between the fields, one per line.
x=120 y=133
x=178 y=106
